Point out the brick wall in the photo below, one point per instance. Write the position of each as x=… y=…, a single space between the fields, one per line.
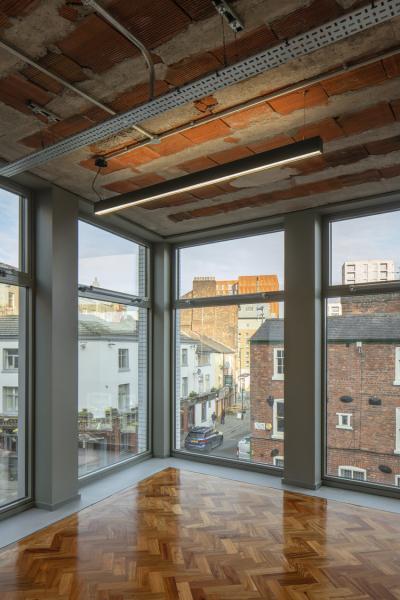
x=358 y=372
x=262 y=386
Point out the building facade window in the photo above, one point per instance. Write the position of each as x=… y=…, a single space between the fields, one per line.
x=185 y=387
x=184 y=361
x=397 y=480
x=396 y=366
x=278 y=423
x=344 y=421
x=113 y=349
x=10 y=400
x=353 y=473
x=224 y=344
x=279 y=360
x=123 y=359
x=124 y=397
x=10 y=359
x=362 y=351
x=279 y=461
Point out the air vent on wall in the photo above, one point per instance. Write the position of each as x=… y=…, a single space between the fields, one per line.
x=346 y=399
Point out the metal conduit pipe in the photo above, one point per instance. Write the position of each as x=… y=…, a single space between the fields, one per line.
x=296 y=87
x=20 y=55
x=129 y=36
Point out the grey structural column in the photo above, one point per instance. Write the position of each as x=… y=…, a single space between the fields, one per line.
x=303 y=332
x=56 y=342
x=162 y=377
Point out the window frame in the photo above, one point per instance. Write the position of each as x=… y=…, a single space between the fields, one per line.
x=277 y=435
x=355 y=209
x=396 y=366
x=340 y=425
x=276 y=375
x=273 y=225
x=23 y=278
x=353 y=470
x=140 y=302
x=122 y=354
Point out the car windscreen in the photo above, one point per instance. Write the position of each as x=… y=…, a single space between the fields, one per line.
x=198 y=434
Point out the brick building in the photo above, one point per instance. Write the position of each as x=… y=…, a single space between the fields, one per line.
x=226 y=323
x=363 y=391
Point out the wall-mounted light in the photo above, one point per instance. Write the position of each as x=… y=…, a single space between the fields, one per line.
x=221 y=173
x=270 y=400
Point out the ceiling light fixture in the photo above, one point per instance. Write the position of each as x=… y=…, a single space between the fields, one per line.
x=221 y=173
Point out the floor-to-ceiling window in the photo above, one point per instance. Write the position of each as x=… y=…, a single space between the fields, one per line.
x=229 y=350
x=112 y=348
x=363 y=349
x=15 y=323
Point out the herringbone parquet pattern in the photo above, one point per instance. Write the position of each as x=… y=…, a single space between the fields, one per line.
x=194 y=537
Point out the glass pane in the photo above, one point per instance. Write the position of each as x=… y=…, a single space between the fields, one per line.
x=12 y=394
x=366 y=249
x=229 y=387
x=363 y=388
x=110 y=261
x=242 y=266
x=9 y=231
x=112 y=383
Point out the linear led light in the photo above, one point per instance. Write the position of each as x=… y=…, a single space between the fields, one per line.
x=238 y=168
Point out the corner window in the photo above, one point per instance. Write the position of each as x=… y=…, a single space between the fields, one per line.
x=229 y=353
x=15 y=312
x=113 y=359
x=344 y=421
x=279 y=360
x=362 y=353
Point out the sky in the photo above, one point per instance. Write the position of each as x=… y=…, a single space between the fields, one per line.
x=365 y=238
x=111 y=259
x=255 y=255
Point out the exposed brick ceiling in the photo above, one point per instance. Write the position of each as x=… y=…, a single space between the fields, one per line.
x=357 y=113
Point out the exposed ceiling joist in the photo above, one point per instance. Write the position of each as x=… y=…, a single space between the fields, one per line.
x=301 y=45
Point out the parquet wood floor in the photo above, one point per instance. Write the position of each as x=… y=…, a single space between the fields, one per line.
x=194 y=537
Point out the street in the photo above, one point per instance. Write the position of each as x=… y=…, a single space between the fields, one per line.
x=234 y=430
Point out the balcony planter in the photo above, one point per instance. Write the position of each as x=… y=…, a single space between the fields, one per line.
x=385 y=469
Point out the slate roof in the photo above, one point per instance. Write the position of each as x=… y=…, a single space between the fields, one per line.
x=90 y=327
x=346 y=328
x=206 y=343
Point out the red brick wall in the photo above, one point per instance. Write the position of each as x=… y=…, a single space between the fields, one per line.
x=360 y=373
x=357 y=305
x=261 y=387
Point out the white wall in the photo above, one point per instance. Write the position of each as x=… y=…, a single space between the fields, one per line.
x=99 y=375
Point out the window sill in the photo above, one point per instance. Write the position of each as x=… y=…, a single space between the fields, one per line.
x=123 y=370
x=278 y=378
x=343 y=427
x=396 y=382
x=276 y=437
